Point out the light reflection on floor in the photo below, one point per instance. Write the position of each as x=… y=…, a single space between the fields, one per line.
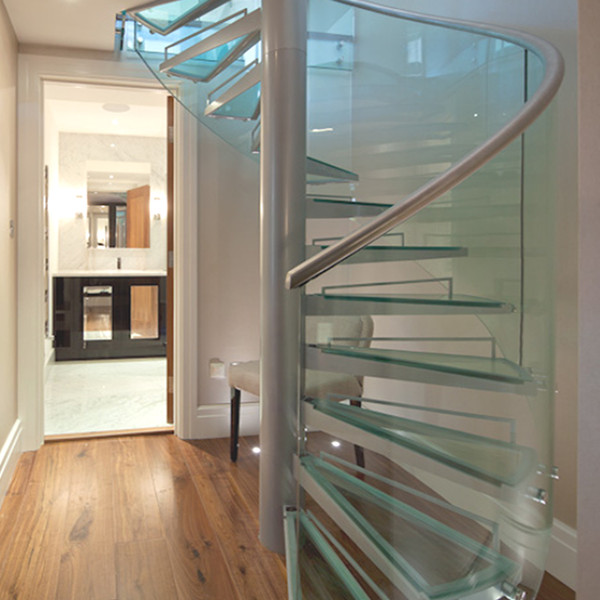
x=105 y=395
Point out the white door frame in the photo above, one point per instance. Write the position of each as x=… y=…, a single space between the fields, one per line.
x=95 y=68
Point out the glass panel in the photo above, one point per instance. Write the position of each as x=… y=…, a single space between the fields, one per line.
x=97 y=312
x=331 y=37
x=144 y=312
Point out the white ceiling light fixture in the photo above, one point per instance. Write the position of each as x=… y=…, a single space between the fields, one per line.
x=115 y=107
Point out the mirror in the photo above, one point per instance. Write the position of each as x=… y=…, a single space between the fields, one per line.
x=118 y=209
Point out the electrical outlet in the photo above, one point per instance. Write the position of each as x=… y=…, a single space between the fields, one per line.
x=216 y=368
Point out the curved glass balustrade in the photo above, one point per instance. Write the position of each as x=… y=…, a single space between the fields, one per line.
x=457 y=374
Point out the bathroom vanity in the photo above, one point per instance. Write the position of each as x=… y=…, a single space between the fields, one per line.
x=112 y=314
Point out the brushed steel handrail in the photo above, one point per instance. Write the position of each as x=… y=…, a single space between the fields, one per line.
x=399 y=212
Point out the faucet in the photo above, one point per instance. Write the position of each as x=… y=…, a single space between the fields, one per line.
x=118 y=262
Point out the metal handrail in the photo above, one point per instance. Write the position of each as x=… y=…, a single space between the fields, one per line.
x=531 y=110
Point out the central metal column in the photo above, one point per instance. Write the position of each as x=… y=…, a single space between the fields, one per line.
x=282 y=208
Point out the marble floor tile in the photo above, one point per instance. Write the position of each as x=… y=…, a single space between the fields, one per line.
x=105 y=395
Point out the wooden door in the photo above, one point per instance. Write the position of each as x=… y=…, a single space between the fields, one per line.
x=138 y=217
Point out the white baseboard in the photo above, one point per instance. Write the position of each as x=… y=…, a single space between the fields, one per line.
x=9 y=455
x=212 y=420
x=562 y=557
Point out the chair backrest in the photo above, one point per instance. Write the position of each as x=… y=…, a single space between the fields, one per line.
x=354 y=330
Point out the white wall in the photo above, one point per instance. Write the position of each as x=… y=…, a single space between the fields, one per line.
x=8 y=257
x=589 y=292
x=228 y=272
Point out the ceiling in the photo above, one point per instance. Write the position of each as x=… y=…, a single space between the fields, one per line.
x=105 y=109
x=66 y=23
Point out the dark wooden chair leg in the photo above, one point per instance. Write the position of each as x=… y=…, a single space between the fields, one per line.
x=235 y=424
x=359 y=451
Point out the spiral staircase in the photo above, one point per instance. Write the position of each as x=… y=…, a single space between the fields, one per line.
x=428 y=208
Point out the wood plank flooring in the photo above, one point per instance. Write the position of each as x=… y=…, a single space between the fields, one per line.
x=144 y=517
x=148 y=517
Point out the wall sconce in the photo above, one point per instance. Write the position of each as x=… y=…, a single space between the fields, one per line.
x=80 y=207
x=159 y=208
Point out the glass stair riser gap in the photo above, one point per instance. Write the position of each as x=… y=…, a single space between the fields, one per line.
x=402 y=541
x=205 y=68
x=414 y=462
x=239 y=97
x=246 y=106
x=320 y=172
x=241 y=100
x=455 y=372
x=495 y=461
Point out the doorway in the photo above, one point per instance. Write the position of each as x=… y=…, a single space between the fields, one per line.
x=107 y=220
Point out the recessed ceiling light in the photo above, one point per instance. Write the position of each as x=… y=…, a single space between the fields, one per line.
x=116 y=108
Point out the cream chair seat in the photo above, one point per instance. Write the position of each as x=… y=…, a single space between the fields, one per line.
x=349 y=330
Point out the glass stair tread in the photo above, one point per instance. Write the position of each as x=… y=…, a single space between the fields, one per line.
x=491 y=460
x=318 y=171
x=209 y=56
x=244 y=106
x=494 y=369
x=444 y=299
x=321 y=171
x=169 y=16
x=402 y=304
x=422 y=556
x=341 y=207
x=384 y=253
x=314 y=569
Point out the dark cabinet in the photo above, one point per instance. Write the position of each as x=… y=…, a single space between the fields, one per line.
x=109 y=317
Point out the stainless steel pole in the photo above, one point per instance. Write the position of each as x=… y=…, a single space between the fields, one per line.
x=283 y=189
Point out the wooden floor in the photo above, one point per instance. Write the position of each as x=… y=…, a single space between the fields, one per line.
x=136 y=517
x=148 y=517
